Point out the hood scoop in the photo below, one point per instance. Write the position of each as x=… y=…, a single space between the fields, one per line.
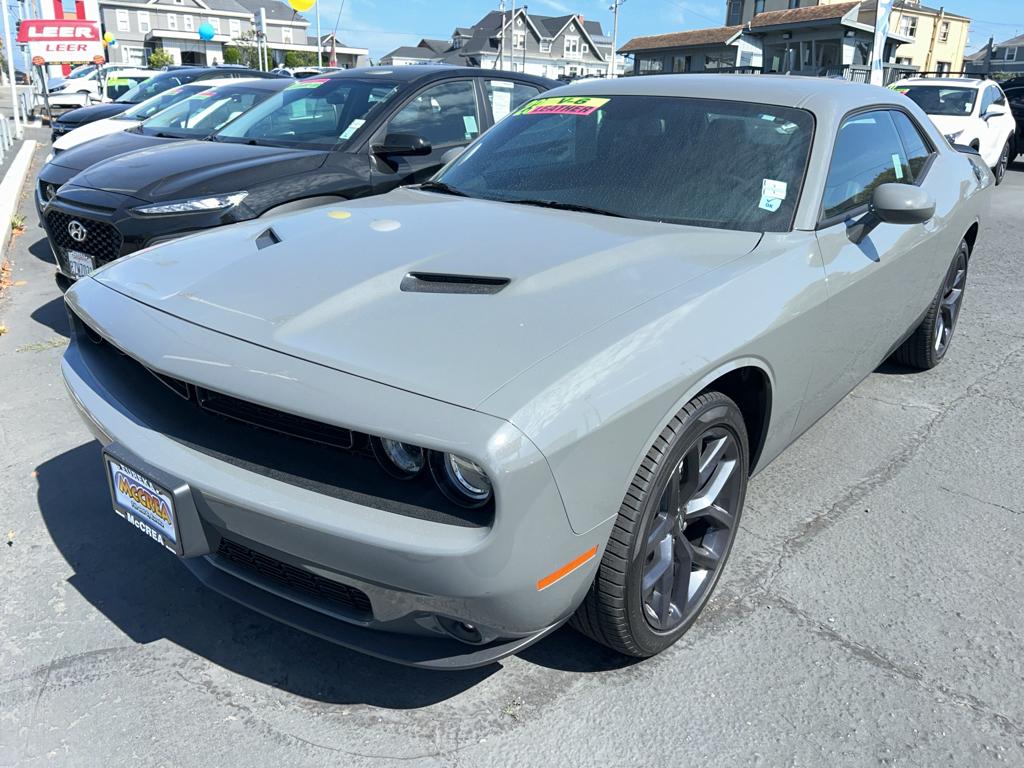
x=267 y=238
x=436 y=282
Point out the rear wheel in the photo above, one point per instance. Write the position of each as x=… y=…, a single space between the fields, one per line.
x=930 y=341
x=1002 y=164
x=674 y=531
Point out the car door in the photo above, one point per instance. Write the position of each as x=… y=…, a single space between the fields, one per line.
x=880 y=287
x=997 y=127
x=1015 y=98
x=446 y=114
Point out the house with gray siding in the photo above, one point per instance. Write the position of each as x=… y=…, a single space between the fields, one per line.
x=1007 y=56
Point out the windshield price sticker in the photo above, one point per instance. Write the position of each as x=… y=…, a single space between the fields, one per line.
x=309 y=82
x=204 y=94
x=567 y=105
x=773 y=188
x=354 y=126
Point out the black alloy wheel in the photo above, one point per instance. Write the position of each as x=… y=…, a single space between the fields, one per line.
x=674 y=532
x=1002 y=164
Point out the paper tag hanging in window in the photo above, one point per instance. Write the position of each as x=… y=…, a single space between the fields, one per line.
x=897 y=164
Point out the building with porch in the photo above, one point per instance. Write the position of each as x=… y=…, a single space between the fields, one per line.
x=831 y=40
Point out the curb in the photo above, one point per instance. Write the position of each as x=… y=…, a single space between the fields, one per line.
x=10 y=189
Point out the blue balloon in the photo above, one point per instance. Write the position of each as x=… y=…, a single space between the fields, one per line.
x=206 y=31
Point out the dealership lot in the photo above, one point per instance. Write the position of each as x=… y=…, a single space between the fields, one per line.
x=870 y=614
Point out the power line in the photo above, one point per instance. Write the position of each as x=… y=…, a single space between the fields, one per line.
x=685 y=9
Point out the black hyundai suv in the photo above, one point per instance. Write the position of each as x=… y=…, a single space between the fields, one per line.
x=160 y=82
x=322 y=139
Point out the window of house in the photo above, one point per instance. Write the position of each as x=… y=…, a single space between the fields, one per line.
x=908 y=26
x=572 y=47
x=650 y=66
x=123 y=24
x=868 y=152
x=215 y=23
x=734 y=14
x=190 y=23
x=443 y=114
x=943 y=67
x=235 y=28
x=286 y=35
x=681 y=64
x=758 y=7
x=172 y=21
x=545 y=46
x=134 y=56
x=916 y=146
x=904 y=60
x=143 y=18
x=519 y=40
x=944 y=32
x=1011 y=54
x=793 y=4
x=585 y=49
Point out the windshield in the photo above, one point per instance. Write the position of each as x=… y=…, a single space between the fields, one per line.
x=150 y=87
x=81 y=71
x=160 y=102
x=721 y=164
x=316 y=112
x=939 y=100
x=205 y=112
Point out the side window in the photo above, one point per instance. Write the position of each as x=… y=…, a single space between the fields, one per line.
x=916 y=146
x=990 y=97
x=868 y=153
x=443 y=114
x=506 y=95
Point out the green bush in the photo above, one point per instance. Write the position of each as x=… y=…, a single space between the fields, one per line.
x=299 y=59
x=232 y=55
x=160 y=58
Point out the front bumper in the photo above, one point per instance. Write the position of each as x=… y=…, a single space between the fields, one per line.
x=418 y=575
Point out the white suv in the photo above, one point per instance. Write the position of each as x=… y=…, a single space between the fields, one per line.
x=970 y=112
x=84 y=89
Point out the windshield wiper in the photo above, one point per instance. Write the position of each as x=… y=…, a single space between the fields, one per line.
x=567 y=207
x=445 y=189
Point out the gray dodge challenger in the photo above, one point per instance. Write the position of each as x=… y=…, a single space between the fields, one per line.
x=437 y=424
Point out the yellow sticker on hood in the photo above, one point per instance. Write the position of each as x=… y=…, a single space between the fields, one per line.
x=565 y=105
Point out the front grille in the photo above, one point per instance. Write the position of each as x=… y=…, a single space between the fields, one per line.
x=341 y=595
x=102 y=241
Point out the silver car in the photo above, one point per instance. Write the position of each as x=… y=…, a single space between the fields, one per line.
x=437 y=424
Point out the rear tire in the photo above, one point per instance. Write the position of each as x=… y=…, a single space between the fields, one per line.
x=674 y=532
x=1002 y=164
x=930 y=341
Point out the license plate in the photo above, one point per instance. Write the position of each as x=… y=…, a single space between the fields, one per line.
x=80 y=264
x=143 y=503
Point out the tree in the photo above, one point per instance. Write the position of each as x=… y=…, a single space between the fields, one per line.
x=299 y=59
x=244 y=50
x=160 y=58
x=232 y=55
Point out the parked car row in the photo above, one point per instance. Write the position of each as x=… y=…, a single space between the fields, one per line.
x=318 y=140
x=434 y=415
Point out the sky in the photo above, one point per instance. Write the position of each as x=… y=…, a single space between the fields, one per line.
x=382 y=25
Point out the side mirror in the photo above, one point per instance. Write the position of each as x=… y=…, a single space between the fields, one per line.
x=894 y=203
x=402 y=144
x=451 y=154
x=995 y=110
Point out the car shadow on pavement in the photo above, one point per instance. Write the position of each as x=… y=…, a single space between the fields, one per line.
x=41 y=250
x=53 y=315
x=149 y=595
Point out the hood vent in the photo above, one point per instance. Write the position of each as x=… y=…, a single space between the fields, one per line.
x=267 y=238
x=433 y=282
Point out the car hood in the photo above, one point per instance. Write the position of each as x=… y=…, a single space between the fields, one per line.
x=93 y=130
x=948 y=124
x=91 y=152
x=190 y=168
x=331 y=290
x=95 y=112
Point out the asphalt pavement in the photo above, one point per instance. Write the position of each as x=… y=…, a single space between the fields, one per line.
x=871 y=613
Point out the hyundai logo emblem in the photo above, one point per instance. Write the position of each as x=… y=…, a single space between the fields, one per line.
x=77 y=231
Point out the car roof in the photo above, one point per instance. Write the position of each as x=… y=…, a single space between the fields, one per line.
x=425 y=72
x=959 y=82
x=816 y=94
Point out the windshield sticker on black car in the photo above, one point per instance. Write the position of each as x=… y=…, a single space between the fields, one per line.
x=566 y=105
x=310 y=82
x=354 y=126
x=204 y=94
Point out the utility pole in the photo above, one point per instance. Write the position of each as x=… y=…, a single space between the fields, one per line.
x=319 y=40
x=501 y=37
x=614 y=8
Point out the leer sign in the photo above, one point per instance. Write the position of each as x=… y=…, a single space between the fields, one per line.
x=68 y=40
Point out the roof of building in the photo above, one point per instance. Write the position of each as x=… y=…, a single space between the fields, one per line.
x=802 y=15
x=410 y=52
x=710 y=36
x=437 y=46
x=904 y=5
x=980 y=55
x=227 y=5
x=276 y=10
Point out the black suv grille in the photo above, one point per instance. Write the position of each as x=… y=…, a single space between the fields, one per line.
x=102 y=241
x=349 y=598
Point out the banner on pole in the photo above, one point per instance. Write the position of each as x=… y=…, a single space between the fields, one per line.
x=884 y=9
x=64 y=40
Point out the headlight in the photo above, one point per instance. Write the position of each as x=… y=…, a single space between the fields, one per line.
x=49 y=192
x=461 y=480
x=952 y=137
x=49 y=157
x=192 y=205
x=400 y=460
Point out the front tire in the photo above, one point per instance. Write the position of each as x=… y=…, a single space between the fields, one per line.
x=1002 y=164
x=930 y=341
x=674 y=532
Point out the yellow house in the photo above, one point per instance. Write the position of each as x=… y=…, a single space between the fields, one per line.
x=940 y=37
